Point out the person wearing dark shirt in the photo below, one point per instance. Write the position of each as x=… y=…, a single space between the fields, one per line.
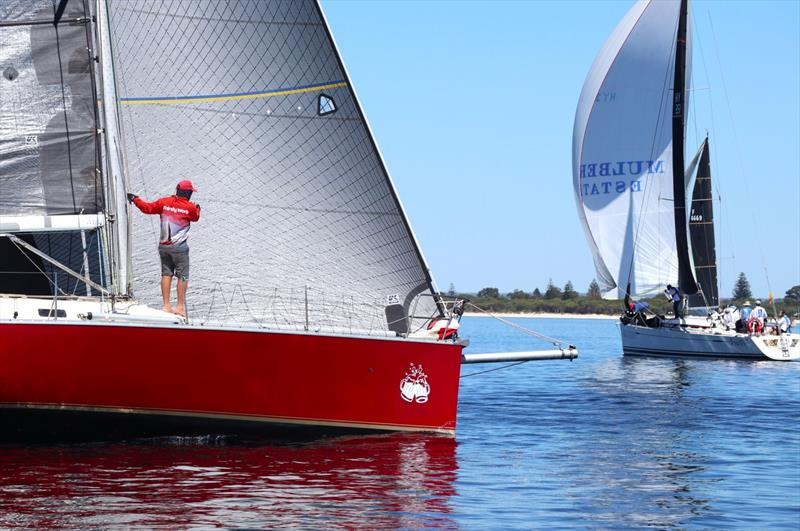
x=674 y=295
x=177 y=213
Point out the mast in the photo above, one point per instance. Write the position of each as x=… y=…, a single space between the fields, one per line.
x=686 y=280
x=116 y=206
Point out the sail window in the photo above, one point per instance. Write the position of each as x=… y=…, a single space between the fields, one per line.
x=10 y=73
x=326 y=105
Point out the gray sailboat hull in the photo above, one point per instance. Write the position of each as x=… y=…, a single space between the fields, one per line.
x=706 y=342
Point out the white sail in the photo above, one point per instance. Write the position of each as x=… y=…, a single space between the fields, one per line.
x=251 y=102
x=622 y=153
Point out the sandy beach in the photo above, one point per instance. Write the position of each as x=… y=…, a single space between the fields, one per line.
x=545 y=315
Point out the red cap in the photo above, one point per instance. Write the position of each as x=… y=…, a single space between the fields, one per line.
x=186 y=185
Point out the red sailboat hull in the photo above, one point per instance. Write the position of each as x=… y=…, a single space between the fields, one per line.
x=246 y=378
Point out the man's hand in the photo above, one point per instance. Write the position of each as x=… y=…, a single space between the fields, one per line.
x=198 y=206
x=131 y=197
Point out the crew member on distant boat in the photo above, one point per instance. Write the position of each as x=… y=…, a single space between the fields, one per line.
x=674 y=295
x=744 y=317
x=758 y=318
x=784 y=323
x=177 y=213
x=729 y=317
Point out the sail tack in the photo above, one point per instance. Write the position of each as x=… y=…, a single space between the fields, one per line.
x=623 y=153
x=249 y=100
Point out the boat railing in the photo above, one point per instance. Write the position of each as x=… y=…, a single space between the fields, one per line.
x=231 y=304
x=301 y=308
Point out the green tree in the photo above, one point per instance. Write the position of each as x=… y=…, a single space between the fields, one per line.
x=489 y=293
x=793 y=294
x=552 y=291
x=742 y=288
x=518 y=294
x=594 y=290
x=569 y=291
x=536 y=294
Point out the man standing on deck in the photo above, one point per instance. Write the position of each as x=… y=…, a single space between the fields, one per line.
x=177 y=213
x=785 y=323
x=758 y=318
x=674 y=295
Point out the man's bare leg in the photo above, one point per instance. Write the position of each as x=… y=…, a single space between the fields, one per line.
x=180 y=309
x=166 y=286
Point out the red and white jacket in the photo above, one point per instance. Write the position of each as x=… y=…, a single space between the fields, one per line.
x=176 y=212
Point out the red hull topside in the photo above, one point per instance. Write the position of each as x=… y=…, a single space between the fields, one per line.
x=248 y=376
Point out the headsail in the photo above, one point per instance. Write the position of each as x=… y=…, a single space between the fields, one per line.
x=701 y=230
x=622 y=150
x=250 y=101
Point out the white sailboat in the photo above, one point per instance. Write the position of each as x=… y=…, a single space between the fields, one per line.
x=631 y=187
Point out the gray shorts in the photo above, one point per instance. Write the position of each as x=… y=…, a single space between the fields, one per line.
x=174 y=261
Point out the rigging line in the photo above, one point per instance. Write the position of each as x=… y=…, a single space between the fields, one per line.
x=738 y=150
x=36 y=266
x=494 y=369
x=713 y=160
x=555 y=342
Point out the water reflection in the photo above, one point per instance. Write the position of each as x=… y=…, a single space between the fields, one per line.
x=648 y=464
x=394 y=481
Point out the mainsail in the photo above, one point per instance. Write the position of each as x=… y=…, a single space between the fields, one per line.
x=50 y=180
x=250 y=101
x=629 y=123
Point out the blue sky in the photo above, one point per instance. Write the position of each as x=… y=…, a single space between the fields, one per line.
x=472 y=105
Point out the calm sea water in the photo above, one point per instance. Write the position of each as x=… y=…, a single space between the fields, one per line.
x=601 y=442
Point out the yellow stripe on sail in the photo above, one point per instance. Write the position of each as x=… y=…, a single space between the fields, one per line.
x=231 y=97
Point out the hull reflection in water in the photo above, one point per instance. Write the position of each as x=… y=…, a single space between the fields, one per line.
x=394 y=481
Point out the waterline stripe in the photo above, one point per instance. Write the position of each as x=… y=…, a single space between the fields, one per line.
x=231 y=97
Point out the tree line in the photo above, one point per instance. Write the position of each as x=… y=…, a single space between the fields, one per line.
x=567 y=300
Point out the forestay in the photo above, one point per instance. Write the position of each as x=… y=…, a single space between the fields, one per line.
x=622 y=153
x=250 y=101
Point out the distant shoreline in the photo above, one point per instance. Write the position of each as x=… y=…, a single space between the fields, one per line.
x=541 y=315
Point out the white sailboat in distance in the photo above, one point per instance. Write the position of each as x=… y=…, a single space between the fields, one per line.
x=631 y=187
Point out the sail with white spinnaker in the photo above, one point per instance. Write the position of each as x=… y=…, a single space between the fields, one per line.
x=628 y=152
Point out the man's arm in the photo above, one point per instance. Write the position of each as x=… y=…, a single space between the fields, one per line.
x=195 y=214
x=148 y=208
